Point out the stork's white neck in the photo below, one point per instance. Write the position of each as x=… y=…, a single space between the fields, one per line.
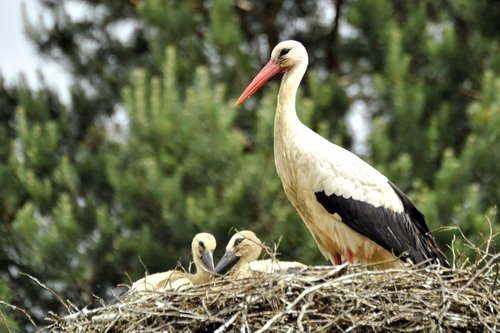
x=286 y=126
x=286 y=116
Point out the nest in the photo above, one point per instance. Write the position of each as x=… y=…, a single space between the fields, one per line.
x=316 y=299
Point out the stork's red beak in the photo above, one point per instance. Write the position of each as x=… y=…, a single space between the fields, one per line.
x=268 y=72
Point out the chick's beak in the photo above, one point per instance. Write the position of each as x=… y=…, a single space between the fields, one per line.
x=226 y=263
x=208 y=260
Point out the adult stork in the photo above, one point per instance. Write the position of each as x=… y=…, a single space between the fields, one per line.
x=349 y=207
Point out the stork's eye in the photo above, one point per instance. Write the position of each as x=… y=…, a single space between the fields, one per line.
x=237 y=241
x=201 y=244
x=284 y=52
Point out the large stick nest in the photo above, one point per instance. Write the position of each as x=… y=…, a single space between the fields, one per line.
x=316 y=299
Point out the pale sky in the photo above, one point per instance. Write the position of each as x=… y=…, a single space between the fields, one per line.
x=18 y=55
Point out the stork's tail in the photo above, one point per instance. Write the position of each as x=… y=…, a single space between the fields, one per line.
x=433 y=252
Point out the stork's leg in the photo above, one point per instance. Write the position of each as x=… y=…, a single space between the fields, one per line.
x=348 y=255
x=337 y=258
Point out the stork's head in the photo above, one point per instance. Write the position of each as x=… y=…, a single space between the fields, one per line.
x=242 y=248
x=203 y=246
x=284 y=57
x=289 y=53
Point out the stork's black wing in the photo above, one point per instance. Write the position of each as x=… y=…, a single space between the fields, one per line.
x=405 y=234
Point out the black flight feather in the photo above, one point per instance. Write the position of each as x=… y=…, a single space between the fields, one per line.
x=404 y=234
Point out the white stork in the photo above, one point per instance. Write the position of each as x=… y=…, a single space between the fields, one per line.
x=349 y=207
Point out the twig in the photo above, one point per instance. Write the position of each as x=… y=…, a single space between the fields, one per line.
x=16 y=308
x=495 y=258
x=226 y=325
x=290 y=306
x=47 y=288
x=4 y=320
x=303 y=309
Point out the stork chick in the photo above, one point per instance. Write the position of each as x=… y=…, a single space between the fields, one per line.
x=243 y=248
x=242 y=252
x=202 y=248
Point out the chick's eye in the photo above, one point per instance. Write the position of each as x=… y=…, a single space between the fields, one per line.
x=201 y=244
x=238 y=241
x=284 y=52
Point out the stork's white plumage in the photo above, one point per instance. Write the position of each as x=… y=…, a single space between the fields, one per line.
x=350 y=208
